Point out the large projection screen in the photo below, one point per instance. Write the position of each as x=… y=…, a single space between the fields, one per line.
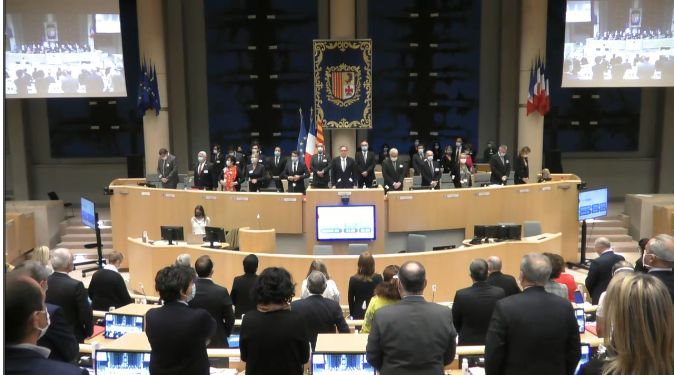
x=619 y=43
x=63 y=49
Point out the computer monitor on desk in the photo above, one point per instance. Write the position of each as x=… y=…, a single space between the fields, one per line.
x=117 y=326
x=122 y=362
x=171 y=234
x=486 y=231
x=214 y=234
x=509 y=232
x=340 y=363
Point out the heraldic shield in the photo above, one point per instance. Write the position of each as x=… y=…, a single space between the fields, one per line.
x=343 y=83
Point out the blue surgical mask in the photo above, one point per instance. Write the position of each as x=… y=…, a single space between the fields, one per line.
x=201 y=159
x=277 y=153
x=294 y=159
x=194 y=292
x=228 y=163
x=253 y=160
x=364 y=148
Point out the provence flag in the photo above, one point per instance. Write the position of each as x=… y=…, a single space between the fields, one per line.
x=343 y=83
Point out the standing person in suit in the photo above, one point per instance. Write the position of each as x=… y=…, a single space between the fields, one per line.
x=462 y=174
x=489 y=152
x=218 y=160
x=365 y=162
x=447 y=160
x=437 y=152
x=320 y=167
x=384 y=154
x=216 y=300
x=414 y=149
x=534 y=332
x=430 y=171
x=59 y=338
x=499 y=279
x=600 y=273
x=70 y=295
x=177 y=333
x=321 y=315
x=474 y=305
x=658 y=258
x=26 y=321
x=204 y=176
x=255 y=173
x=459 y=148
x=413 y=336
x=362 y=286
x=500 y=167
x=243 y=285
x=344 y=174
x=107 y=287
x=167 y=168
x=394 y=171
x=255 y=149
x=522 y=166
x=418 y=159
x=276 y=168
x=295 y=172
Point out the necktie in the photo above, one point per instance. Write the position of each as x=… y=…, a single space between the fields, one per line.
x=295 y=167
x=430 y=165
x=200 y=168
x=365 y=156
x=343 y=165
x=277 y=161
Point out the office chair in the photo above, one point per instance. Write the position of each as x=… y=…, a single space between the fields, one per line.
x=323 y=250
x=357 y=248
x=532 y=228
x=416 y=243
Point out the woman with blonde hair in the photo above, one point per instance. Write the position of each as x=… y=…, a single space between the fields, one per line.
x=331 y=291
x=41 y=254
x=385 y=294
x=362 y=285
x=639 y=313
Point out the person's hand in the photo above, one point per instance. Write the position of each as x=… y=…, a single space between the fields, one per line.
x=297 y=177
x=433 y=183
x=254 y=180
x=396 y=185
x=275 y=177
x=320 y=173
x=504 y=178
x=364 y=174
x=222 y=182
x=334 y=187
x=234 y=183
x=526 y=179
x=164 y=180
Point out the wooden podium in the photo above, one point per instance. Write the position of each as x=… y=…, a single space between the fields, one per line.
x=257 y=241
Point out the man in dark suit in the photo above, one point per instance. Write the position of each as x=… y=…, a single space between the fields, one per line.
x=204 y=176
x=534 y=332
x=26 y=321
x=70 y=295
x=295 y=172
x=240 y=165
x=320 y=314
x=218 y=160
x=600 y=273
x=167 y=168
x=365 y=162
x=320 y=167
x=107 y=287
x=501 y=280
x=658 y=258
x=489 y=152
x=418 y=159
x=500 y=167
x=276 y=168
x=430 y=171
x=242 y=285
x=458 y=149
x=58 y=338
x=473 y=306
x=344 y=174
x=255 y=149
x=413 y=336
x=394 y=172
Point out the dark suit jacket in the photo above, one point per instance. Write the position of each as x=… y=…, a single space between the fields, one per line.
x=499 y=169
x=177 y=336
x=456 y=176
x=108 y=289
x=412 y=337
x=321 y=315
x=302 y=171
x=488 y=152
x=320 y=162
x=208 y=179
x=427 y=175
x=258 y=173
x=667 y=277
x=417 y=161
x=361 y=292
x=216 y=300
x=59 y=338
x=505 y=282
x=241 y=297
x=70 y=295
x=447 y=163
x=521 y=170
x=168 y=169
x=344 y=179
x=218 y=167
x=363 y=165
x=276 y=169
x=472 y=311
x=392 y=173
x=456 y=152
x=600 y=273
x=20 y=361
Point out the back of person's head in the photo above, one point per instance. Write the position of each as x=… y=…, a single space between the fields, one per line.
x=622 y=266
x=274 y=286
x=535 y=269
x=412 y=277
x=661 y=247
x=365 y=266
x=204 y=266
x=478 y=270
x=41 y=254
x=61 y=260
x=642 y=244
x=602 y=244
x=35 y=270
x=115 y=258
x=389 y=288
x=24 y=299
x=495 y=264
x=640 y=314
x=250 y=263
x=184 y=260
x=316 y=282
x=560 y=263
x=555 y=267
x=318 y=265
x=172 y=282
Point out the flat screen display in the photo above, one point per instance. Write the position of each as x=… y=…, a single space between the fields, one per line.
x=345 y=223
x=592 y=204
x=355 y=364
x=580 y=318
x=578 y=11
x=117 y=326
x=88 y=213
x=233 y=341
x=122 y=363
x=585 y=354
x=578 y=297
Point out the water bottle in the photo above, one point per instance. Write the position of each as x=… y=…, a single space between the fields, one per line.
x=464 y=366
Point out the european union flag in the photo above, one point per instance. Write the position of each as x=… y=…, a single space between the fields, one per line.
x=302 y=139
x=156 y=102
x=143 y=104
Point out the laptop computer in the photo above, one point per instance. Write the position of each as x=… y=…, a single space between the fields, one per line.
x=340 y=363
x=194 y=239
x=122 y=362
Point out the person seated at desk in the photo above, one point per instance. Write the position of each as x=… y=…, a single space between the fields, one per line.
x=462 y=174
x=200 y=221
x=331 y=290
x=501 y=280
x=522 y=166
x=430 y=171
x=295 y=172
x=256 y=174
x=553 y=286
x=243 y=285
x=204 y=178
x=343 y=168
x=178 y=334
x=362 y=286
x=386 y=293
x=394 y=172
x=107 y=287
x=229 y=177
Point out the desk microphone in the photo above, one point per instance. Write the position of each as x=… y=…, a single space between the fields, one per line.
x=259 y=226
x=142 y=289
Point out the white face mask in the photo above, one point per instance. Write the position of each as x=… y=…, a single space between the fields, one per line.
x=429 y=158
x=164 y=157
x=253 y=160
x=320 y=150
x=458 y=144
x=44 y=330
x=463 y=161
x=394 y=159
x=194 y=291
x=421 y=151
x=643 y=261
x=215 y=151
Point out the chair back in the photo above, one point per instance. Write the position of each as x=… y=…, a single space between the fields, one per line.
x=482 y=178
x=532 y=228
x=323 y=250
x=416 y=243
x=357 y=248
x=53 y=196
x=416 y=180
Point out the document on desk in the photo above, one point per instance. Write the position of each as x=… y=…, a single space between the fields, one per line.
x=476 y=371
x=225 y=371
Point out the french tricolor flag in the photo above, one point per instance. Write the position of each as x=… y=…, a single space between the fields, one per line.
x=311 y=143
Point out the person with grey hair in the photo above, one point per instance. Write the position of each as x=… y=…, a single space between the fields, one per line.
x=107 y=287
x=600 y=273
x=184 y=260
x=499 y=279
x=473 y=306
x=394 y=172
x=658 y=258
x=205 y=176
x=70 y=295
x=534 y=332
x=59 y=338
x=500 y=167
x=167 y=168
x=321 y=315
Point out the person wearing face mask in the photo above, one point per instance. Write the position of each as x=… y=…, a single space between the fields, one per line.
x=344 y=174
x=229 y=177
x=218 y=160
x=448 y=161
x=26 y=321
x=167 y=168
x=320 y=167
x=204 y=176
x=244 y=159
x=276 y=167
x=295 y=172
x=414 y=149
x=437 y=152
x=461 y=173
x=658 y=258
x=522 y=166
x=600 y=272
x=200 y=221
x=384 y=153
x=430 y=171
x=365 y=162
x=255 y=149
x=489 y=151
x=177 y=333
x=470 y=155
x=255 y=174
x=500 y=167
x=394 y=172
x=459 y=148
x=418 y=160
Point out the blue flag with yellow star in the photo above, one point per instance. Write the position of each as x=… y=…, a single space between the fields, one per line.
x=302 y=139
x=143 y=104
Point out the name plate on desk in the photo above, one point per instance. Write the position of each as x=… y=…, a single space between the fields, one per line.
x=124 y=192
x=523 y=191
x=547 y=188
x=240 y=198
x=406 y=198
x=209 y=197
x=483 y=194
x=450 y=195
x=169 y=195
x=290 y=199
x=145 y=193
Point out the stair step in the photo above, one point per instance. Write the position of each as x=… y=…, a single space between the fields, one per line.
x=603 y=223
x=81 y=254
x=85 y=237
x=605 y=231
x=77 y=246
x=82 y=229
x=620 y=247
x=611 y=237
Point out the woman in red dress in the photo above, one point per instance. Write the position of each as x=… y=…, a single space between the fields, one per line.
x=228 y=176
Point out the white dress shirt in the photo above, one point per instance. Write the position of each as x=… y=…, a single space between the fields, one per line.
x=331 y=291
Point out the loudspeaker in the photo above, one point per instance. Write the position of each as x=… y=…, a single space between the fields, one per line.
x=135 y=166
x=553 y=161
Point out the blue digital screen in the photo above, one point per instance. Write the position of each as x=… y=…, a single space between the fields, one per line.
x=580 y=318
x=341 y=223
x=354 y=364
x=233 y=341
x=592 y=204
x=88 y=213
x=117 y=326
x=122 y=363
x=585 y=353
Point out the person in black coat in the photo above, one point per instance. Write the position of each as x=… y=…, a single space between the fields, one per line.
x=274 y=339
x=255 y=174
x=320 y=167
x=320 y=314
x=344 y=174
x=167 y=169
x=394 y=172
x=448 y=161
x=534 y=332
x=295 y=172
x=362 y=286
x=218 y=160
x=437 y=152
x=276 y=168
x=243 y=285
x=177 y=333
x=384 y=154
x=473 y=306
x=70 y=295
x=639 y=264
x=659 y=259
x=430 y=171
x=500 y=167
x=601 y=269
x=489 y=152
x=107 y=287
x=501 y=280
x=204 y=174
x=365 y=163
x=522 y=166
x=418 y=159
x=255 y=149
x=461 y=173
